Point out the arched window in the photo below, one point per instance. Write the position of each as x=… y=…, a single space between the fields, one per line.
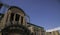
x=12 y=17
x=17 y=17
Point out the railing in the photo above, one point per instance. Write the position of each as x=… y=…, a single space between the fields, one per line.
x=12 y=23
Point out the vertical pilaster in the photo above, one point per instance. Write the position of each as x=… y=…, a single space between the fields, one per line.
x=19 y=20
x=8 y=17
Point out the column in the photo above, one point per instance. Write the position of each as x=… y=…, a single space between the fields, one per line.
x=19 y=20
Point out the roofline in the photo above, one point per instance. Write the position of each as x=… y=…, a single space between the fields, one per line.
x=35 y=25
x=17 y=8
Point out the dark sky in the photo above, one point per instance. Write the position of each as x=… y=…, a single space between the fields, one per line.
x=45 y=13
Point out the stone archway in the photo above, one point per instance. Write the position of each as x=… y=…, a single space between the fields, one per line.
x=16 y=30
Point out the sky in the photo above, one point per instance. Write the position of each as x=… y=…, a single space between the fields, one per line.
x=54 y=29
x=45 y=13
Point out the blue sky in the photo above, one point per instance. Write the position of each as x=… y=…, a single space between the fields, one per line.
x=45 y=13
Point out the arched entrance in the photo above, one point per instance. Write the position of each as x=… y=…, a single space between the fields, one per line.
x=15 y=30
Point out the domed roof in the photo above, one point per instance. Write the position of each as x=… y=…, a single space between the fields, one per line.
x=11 y=7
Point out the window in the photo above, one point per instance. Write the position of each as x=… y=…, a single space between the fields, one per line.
x=12 y=17
x=17 y=17
x=1 y=5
